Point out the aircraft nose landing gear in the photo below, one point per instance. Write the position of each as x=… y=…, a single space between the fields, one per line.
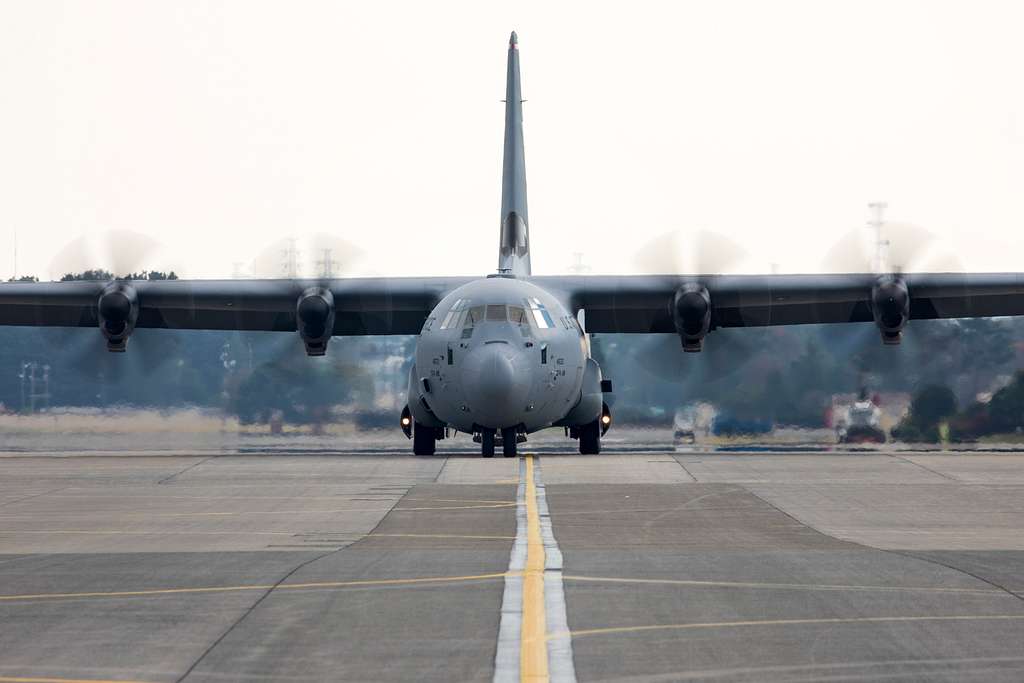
x=508 y=442
x=508 y=438
x=487 y=443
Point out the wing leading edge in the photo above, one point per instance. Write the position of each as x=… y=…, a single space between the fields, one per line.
x=644 y=303
x=363 y=306
x=629 y=304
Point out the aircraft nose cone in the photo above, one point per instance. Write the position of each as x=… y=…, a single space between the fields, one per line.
x=496 y=383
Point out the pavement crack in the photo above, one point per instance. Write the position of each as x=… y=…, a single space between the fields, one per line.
x=802 y=523
x=242 y=617
x=193 y=465
x=925 y=468
x=440 y=472
x=688 y=472
x=901 y=553
x=250 y=610
x=34 y=495
x=904 y=553
x=687 y=505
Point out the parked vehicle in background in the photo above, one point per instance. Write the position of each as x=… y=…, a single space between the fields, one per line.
x=684 y=428
x=860 y=423
x=692 y=421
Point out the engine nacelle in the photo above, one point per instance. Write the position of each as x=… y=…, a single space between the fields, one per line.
x=691 y=313
x=890 y=305
x=117 y=310
x=314 y=317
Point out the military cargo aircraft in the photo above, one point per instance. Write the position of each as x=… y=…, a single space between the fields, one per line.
x=503 y=356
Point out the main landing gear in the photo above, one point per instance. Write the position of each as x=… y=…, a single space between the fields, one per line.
x=590 y=434
x=590 y=438
x=508 y=442
x=424 y=439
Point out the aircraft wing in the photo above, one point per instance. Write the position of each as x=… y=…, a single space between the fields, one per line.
x=628 y=303
x=362 y=305
x=645 y=303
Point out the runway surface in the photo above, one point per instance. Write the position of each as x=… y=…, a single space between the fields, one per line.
x=652 y=566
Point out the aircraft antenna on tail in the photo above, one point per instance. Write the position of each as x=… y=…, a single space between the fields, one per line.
x=514 y=247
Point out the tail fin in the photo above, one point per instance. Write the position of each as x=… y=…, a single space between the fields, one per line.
x=514 y=255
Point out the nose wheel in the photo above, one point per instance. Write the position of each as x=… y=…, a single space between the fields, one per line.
x=487 y=443
x=508 y=442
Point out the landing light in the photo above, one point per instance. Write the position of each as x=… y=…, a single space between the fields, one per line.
x=406 y=422
x=606 y=419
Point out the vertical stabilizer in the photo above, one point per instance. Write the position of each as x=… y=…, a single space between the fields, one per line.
x=514 y=254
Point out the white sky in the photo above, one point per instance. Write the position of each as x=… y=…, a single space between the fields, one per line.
x=220 y=127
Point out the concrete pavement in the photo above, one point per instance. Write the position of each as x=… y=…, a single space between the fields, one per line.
x=676 y=566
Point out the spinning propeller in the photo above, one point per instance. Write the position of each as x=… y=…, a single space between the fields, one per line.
x=111 y=257
x=697 y=254
x=314 y=261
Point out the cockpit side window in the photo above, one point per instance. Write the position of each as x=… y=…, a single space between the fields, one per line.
x=454 y=314
x=540 y=313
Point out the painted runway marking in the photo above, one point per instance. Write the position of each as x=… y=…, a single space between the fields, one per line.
x=481 y=538
x=560 y=659
x=533 y=655
x=160 y=532
x=156 y=532
x=778 y=622
x=506 y=658
x=33 y=679
x=534 y=601
x=454 y=500
x=785 y=586
x=310 y=511
x=256 y=587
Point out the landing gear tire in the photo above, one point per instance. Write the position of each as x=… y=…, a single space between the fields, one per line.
x=424 y=439
x=508 y=442
x=487 y=443
x=590 y=438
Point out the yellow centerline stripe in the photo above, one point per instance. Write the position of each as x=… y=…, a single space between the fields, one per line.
x=255 y=587
x=533 y=652
x=780 y=622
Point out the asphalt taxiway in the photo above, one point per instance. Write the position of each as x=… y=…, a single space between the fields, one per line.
x=659 y=566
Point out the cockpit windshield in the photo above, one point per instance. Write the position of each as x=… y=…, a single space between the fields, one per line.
x=499 y=313
x=475 y=316
x=496 y=313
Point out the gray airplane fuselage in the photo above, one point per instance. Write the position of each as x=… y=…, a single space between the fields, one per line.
x=500 y=353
